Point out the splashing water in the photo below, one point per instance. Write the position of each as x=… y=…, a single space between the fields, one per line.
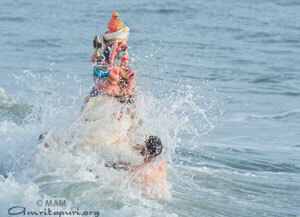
x=79 y=175
x=194 y=60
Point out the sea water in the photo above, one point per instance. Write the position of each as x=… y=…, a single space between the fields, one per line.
x=217 y=81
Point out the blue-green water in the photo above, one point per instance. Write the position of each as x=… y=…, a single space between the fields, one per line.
x=224 y=77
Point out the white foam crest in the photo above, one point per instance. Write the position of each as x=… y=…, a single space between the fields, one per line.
x=14 y=193
x=4 y=99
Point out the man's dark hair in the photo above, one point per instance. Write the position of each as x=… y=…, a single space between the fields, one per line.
x=154 y=146
x=42 y=137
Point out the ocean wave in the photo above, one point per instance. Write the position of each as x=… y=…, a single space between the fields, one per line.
x=3 y=172
x=12 y=110
x=265 y=80
x=263 y=166
x=269 y=91
x=279 y=116
x=285 y=3
x=231 y=159
x=168 y=11
x=43 y=43
x=13 y=19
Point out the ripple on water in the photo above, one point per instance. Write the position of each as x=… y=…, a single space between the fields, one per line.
x=38 y=43
x=279 y=116
x=234 y=159
x=13 y=19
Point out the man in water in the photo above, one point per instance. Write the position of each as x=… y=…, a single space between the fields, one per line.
x=151 y=174
x=150 y=150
